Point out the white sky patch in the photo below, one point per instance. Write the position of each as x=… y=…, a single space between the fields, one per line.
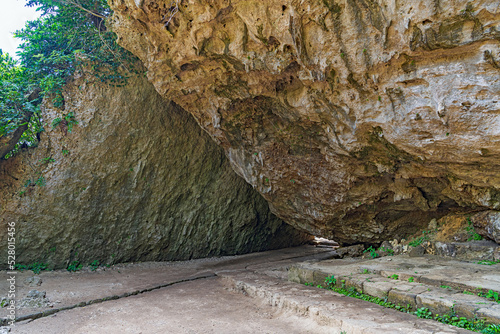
x=13 y=16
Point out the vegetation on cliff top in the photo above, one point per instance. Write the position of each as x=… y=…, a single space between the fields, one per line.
x=70 y=36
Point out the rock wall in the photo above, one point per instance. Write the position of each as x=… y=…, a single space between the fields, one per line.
x=135 y=180
x=358 y=120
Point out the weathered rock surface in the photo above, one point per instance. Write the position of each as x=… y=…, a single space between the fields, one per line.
x=487 y=224
x=135 y=180
x=357 y=120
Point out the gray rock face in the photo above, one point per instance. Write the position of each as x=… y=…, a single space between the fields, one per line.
x=135 y=180
x=357 y=120
x=487 y=224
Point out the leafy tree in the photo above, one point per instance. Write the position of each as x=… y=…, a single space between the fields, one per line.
x=70 y=35
x=17 y=107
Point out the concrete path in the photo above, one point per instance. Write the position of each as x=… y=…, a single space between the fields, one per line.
x=239 y=294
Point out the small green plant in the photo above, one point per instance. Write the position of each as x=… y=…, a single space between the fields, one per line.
x=68 y=120
x=71 y=121
x=74 y=266
x=366 y=271
x=40 y=182
x=394 y=276
x=94 y=265
x=372 y=251
x=387 y=250
x=411 y=279
x=380 y=98
x=445 y=287
x=473 y=235
x=36 y=267
x=420 y=240
x=488 y=263
x=493 y=295
x=65 y=152
x=468 y=293
x=56 y=122
x=423 y=313
x=330 y=281
x=47 y=160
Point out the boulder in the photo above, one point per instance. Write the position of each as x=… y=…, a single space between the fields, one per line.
x=133 y=179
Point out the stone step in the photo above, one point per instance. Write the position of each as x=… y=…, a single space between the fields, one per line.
x=328 y=308
x=409 y=282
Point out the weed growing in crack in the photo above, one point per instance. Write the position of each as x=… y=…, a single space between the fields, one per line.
x=373 y=252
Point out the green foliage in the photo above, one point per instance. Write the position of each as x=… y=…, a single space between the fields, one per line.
x=411 y=279
x=69 y=36
x=74 y=266
x=41 y=182
x=420 y=240
x=445 y=287
x=488 y=263
x=352 y=292
x=387 y=250
x=56 y=122
x=330 y=281
x=36 y=267
x=492 y=329
x=16 y=105
x=373 y=252
x=94 y=265
x=66 y=122
x=473 y=235
x=394 y=276
x=423 y=313
x=46 y=160
x=491 y=295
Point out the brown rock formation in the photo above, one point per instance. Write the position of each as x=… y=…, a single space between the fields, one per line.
x=357 y=120
x=135 y=180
